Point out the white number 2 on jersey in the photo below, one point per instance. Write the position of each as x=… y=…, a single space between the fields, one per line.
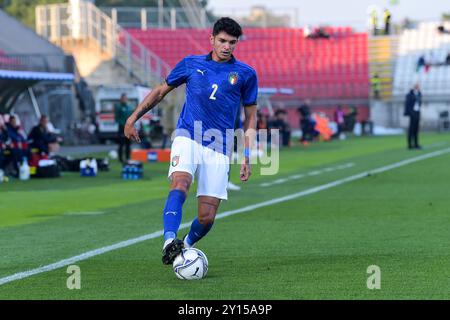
x=215 y=87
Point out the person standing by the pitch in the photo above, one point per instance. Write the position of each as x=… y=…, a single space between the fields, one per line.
x=413 y=104
x=122 y=111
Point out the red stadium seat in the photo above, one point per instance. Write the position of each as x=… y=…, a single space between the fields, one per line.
x=321 y=68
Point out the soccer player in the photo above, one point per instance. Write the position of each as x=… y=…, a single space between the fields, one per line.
x=216 y=86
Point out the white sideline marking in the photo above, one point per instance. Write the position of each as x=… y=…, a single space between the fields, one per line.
x=126 y=243
x=436 y=144
x=86 y=213
x=311 y=173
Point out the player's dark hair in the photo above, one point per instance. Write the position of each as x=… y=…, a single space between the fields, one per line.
x=227 y=25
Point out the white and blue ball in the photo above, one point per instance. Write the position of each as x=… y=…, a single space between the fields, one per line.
x=190 y=264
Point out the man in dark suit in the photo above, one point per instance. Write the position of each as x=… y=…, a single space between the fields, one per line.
x=413 y=104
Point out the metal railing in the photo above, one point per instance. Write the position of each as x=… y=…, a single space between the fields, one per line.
x=187 y=17
x=87 y=22
x=149 y=17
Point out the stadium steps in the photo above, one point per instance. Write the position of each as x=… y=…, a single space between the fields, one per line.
x=381 y=57
x=83 y=51
x=94 y=64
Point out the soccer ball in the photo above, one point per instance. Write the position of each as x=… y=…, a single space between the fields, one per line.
x=190 y=264
x=113 y=154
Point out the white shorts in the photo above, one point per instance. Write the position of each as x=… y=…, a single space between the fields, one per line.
x=212 y=167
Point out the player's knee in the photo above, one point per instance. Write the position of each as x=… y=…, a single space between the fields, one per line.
x=182 y=184
x=207 y=217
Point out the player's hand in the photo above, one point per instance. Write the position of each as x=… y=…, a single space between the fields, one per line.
x=245 y=170
x=131 y=133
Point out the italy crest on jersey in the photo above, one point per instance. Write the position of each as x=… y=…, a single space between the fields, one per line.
x=175 y=161
x=233 y=78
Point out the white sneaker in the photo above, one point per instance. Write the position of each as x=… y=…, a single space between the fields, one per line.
x=186 y=244
x=232 y=186
x=167 y=242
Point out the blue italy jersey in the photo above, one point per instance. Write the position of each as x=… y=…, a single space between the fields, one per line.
x=214 y=94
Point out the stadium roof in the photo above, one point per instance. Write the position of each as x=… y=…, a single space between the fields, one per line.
x=13 y=83
x=36 y=76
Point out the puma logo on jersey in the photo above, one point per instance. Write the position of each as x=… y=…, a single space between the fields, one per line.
x=202 y=72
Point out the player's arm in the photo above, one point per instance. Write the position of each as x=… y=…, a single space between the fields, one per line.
x=249 y=138
x=149 y=102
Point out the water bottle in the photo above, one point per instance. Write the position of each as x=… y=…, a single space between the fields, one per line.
x=127 y=172
x=135 y=176
x=24 y=170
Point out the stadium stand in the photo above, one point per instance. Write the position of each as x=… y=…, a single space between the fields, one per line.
x=325 y=70
x=318 y=68
x=330 y=71
x=434 y=76
x=38 y=77
x=7 y=63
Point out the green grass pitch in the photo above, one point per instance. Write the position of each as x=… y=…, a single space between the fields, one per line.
x=316 y=246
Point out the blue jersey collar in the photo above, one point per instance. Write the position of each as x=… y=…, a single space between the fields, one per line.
x=209 y=57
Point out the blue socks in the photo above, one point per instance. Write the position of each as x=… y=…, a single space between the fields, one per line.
x=197 y=232
x=172 y=219
x=172 y=213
